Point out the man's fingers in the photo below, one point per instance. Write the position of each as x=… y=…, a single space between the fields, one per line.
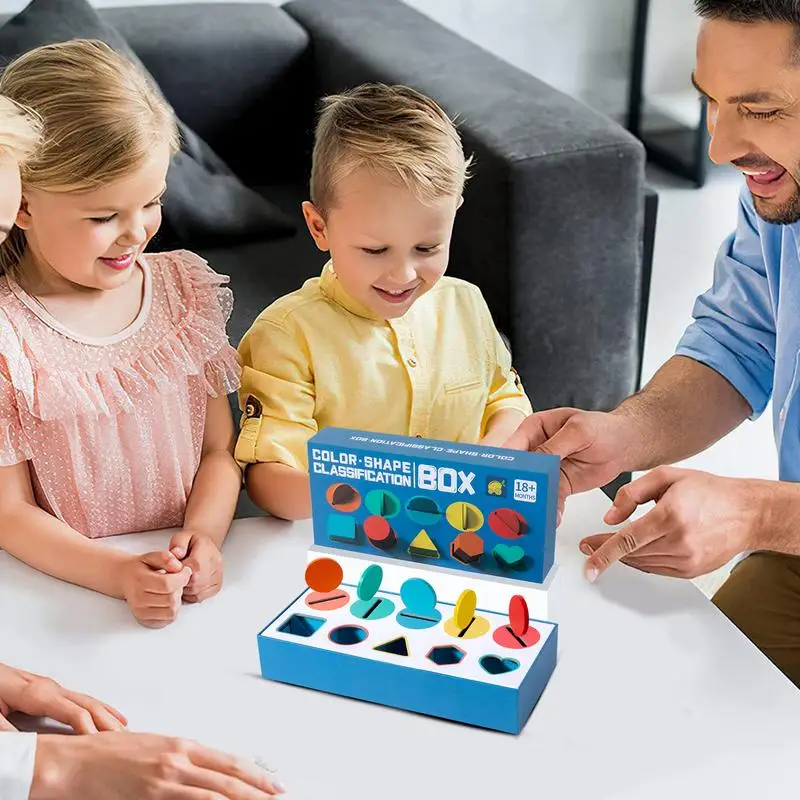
x=228 y=786
x=658 y=548
x=643 y=490
x=622 y=543
x=245 y=772
x=6 y=726
x=119 y=715
x=62 y=709
x=104 y=717
x=534 y=431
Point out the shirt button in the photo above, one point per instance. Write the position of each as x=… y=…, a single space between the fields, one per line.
x=782 y=415
x=412 y=362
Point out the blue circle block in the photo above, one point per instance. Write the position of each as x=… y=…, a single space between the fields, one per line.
x=418 y=595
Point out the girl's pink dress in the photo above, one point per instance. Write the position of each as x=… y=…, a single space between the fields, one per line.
x=112 y=428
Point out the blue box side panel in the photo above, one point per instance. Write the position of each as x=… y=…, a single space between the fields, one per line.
x=335 y=456
x=536 y=680
x=438 y=695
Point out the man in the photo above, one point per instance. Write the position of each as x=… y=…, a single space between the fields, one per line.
x=742 y=349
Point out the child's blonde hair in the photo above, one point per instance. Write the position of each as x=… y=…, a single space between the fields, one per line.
x=100 y=116
x=20 y=130
x=392 y=130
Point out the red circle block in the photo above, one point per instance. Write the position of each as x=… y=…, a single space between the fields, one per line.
x=518 y=615
x=507 y=523
x=506 y=637
x=380 y=533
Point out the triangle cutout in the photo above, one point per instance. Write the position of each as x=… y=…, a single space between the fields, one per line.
x=397 y=647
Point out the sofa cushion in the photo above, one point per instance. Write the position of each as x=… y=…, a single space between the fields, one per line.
x=205 y=203
x=261 y=272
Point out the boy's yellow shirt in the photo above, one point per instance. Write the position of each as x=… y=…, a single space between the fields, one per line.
x=317 y=358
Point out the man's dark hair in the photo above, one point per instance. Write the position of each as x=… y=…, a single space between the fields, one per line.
x=750 y=10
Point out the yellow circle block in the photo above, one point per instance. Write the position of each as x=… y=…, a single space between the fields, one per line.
x=475 y=628
x=464 y=516
x=465 y=608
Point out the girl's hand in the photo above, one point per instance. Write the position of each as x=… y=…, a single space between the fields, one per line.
x=200 y=553
x=152 y=585
x=41 y=697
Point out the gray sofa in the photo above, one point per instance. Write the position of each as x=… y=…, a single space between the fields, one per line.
x=553 y=225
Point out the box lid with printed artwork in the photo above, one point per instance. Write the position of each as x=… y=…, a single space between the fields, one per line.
x=481 y=510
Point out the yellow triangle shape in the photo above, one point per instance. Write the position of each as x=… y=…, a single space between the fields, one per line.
x=422 y=545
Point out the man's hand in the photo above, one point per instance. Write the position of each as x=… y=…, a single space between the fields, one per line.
x=592 y=445
x=124 y=766
x=200 y=553
x=698 y=524
x=152 y=585
x=41 y=697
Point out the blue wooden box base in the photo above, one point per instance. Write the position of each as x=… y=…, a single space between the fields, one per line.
x=502 y=702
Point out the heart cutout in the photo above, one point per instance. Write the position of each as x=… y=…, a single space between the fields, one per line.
x=495 y=665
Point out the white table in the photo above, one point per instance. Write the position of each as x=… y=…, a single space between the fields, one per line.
x=656 y=695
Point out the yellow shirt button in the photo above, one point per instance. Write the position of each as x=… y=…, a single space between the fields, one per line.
x=412 y=362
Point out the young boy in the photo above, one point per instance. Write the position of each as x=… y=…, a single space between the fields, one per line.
x=381 y=341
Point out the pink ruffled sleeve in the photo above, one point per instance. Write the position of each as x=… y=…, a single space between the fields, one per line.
x=203 y=337
x=13 y=446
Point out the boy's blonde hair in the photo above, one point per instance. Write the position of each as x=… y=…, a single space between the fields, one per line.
x=20 y=130
x=100 y=115
x=392 y=130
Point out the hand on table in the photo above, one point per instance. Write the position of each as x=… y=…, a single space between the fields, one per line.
x=200 y=553
x=591 y=444
x=130 y=766
x=698 y=524
x=41 y=697
x=152 y=585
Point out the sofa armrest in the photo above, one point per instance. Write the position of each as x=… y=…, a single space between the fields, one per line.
x=551 y=227
x=235 y=74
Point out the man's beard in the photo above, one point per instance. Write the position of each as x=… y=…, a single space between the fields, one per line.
x=784 y=213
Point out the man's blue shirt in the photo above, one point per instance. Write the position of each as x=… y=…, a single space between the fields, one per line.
x=747 y=325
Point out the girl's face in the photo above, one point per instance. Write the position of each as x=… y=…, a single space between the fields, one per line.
x=10 y=193
x=91 y=240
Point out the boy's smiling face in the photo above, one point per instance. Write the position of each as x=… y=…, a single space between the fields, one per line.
x=388 y=247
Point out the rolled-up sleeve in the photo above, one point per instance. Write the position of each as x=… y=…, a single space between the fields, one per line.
x=17 y=760
x=506 y=389
x=733 y=331
x=277 y=397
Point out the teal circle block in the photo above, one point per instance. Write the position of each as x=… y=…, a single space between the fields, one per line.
x=374 y=608
x=418 y=595
x=370 y=582
x=381 y=503
x=423 y=511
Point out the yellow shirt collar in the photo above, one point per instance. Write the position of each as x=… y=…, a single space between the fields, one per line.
x=332 y=289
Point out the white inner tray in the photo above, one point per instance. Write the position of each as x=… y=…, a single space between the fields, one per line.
x=420 y=642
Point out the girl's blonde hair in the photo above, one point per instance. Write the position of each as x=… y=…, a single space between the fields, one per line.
x=100 y=116
x=20 y=130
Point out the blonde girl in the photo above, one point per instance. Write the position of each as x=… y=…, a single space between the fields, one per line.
x=114 y=365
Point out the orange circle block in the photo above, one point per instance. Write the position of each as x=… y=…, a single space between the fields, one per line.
x=343 y=497
x=324 y=575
